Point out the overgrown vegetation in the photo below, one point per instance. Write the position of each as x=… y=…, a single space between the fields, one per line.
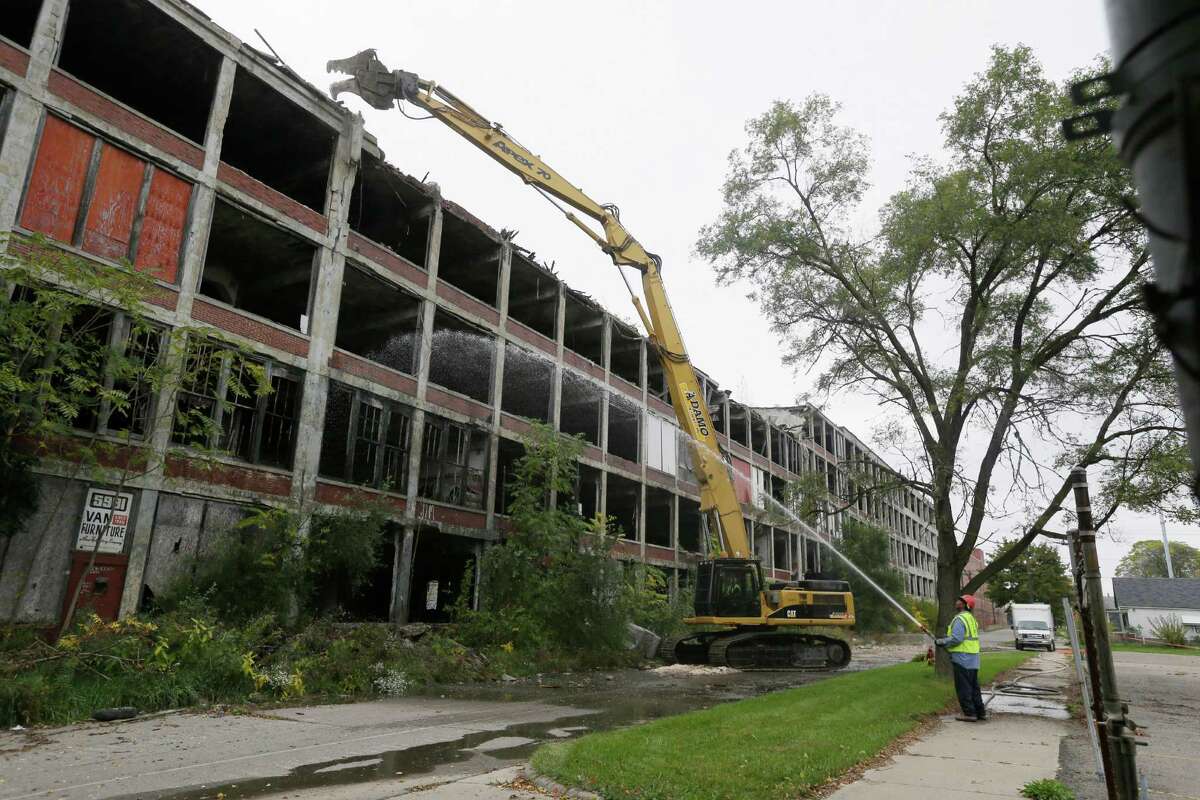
x=255 y=620
x=552 y=596
x=846 y=720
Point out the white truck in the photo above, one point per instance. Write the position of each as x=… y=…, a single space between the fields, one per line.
x=1032 y=625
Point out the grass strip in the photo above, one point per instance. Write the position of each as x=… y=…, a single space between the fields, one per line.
x=779 y=745
x=1127 y=647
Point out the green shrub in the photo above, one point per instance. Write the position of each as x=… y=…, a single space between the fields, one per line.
x=252 y=571
x=1047 y=789
x=653 y=606
x=551 y=591
x=1169 y=629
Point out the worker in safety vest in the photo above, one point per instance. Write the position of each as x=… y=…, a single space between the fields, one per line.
x=962 y=643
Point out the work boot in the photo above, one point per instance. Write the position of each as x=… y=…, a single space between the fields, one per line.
x=966 y=718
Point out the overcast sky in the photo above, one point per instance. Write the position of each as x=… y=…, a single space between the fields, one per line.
x=640 y=103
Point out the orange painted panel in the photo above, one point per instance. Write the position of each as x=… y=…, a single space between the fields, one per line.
x=162 y=226
x=109 y=226
x=56 y=183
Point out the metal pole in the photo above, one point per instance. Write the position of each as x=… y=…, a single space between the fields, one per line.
x=1166 y=546
x=1093 y=669
x=1069 y=612
x=1116 y=727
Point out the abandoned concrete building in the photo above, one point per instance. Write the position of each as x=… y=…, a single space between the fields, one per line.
x=407 y=343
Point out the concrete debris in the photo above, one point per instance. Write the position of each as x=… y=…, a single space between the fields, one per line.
x=413 y=630
x=692 y=669
x=644 y=641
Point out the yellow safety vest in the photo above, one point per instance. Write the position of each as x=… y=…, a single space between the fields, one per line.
x=970 y=644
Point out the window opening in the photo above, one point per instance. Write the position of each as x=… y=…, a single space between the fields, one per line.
x=140 y=56
x=453 y=463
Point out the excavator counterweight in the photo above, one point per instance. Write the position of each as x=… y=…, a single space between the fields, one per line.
x=759 y=621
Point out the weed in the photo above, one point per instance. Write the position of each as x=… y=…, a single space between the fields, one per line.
x=1047 y=789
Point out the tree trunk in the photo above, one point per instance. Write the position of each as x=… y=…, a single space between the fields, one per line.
x=949 y=576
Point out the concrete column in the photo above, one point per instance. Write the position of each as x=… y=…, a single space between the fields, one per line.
x=325 y=300
x=559 y=338
x=498 y=384
x=402 y=574
x=204 y=194
x=142 y=534
x=25 y=116
x=606 y=347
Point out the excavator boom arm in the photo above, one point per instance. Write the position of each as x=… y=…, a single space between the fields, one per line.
x=382 y=88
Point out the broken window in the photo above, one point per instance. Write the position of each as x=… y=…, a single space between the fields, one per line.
x=762 y=543
x=758 y=433
x=690 y=527
x=528 y=384
x=739 y=423
x=469 y=259
x=656 y=378
x=88 y=193
x=277 y=142
x=659 y=510
x=507 y=455
x=19 y=20
x=623 y=428
x=378 y=320
x=716 y=409
x=812 y=557
x=533 y=296
x=781 y=554
x=661 y=440
x=453 y=463
x=365 y=439
x=441 y=574
x=778 y=455
x=579 y=411
x=779 y=490
x=624 y=505
x=110 y=350
x=138 y=55
x=219 y=407
x=460 y=357
x=683 y=453
x=583 y=327
x=257 y=267
x=585 y=499
x=626 y=353
x=388 y=208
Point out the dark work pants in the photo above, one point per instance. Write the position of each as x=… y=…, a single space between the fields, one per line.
x=966 y=684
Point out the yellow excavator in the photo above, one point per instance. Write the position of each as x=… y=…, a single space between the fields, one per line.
x=748 y=624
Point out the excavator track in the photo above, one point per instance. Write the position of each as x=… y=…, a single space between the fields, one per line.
x=775 y=650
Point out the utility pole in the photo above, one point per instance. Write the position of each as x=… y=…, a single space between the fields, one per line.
x=1115 y=728
x=1162 y=523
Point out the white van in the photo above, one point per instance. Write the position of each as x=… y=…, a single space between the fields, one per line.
x=1032 y=625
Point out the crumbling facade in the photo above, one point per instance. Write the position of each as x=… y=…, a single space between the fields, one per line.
x=407 y=343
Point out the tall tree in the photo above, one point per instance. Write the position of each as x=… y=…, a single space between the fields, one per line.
x=867 y=546
x=998 y=298
x=1146 y=559
x=1035 y=575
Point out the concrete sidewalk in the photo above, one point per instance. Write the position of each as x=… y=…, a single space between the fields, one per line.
x=1019 y=743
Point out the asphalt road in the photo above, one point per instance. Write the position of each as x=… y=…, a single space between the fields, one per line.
x=1163 y=692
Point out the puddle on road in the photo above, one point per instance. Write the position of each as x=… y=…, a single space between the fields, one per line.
x=489 y=750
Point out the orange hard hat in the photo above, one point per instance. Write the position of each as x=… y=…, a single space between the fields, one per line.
x=968 y=601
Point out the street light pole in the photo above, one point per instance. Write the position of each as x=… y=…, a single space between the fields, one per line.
x=1162 y=523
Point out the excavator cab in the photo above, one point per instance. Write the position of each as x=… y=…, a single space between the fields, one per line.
x=728 y=587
